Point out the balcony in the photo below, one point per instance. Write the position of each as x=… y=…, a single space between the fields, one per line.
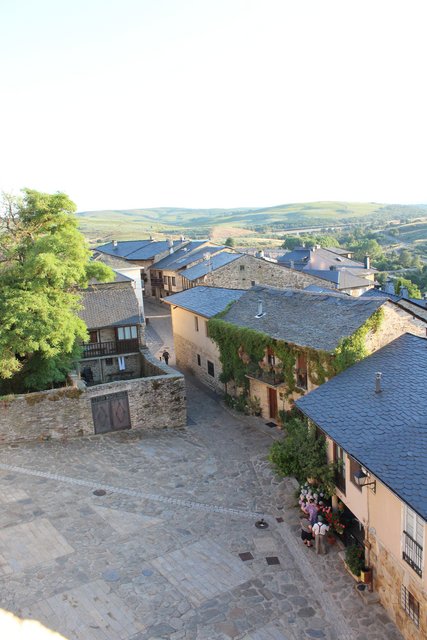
x=156 y=282
x=412 y=553
x=271 y=375
x=115 y=347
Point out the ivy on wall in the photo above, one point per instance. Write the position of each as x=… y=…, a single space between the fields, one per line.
x=242 y=353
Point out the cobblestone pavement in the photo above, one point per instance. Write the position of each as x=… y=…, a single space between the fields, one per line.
x=168 y=547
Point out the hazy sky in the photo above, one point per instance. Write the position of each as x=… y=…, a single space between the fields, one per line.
x=204 y=103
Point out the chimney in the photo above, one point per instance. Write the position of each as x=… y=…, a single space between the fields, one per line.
x=404 y=293
x=260 y=312
x=367 y=262
x=378 y=376
x=292 y=263
x=261 y=254
x=115 y=244
x=169 y=242
x=389 y=287
x=182 y=238
x=332 y=268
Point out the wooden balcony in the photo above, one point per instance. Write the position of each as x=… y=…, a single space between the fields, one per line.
x=112 y=348
x=156 y=282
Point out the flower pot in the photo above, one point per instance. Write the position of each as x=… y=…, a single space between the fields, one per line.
x=331 y=539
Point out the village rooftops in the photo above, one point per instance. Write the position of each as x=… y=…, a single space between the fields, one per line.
x=304 y=318
x=204 y=301
x=385 y=431
x=190 y=253
x=110 y=305
x=138 y=249
x=304 y=258
x=211 y=264
x=343 y=278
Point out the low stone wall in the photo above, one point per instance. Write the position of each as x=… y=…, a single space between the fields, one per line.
x=186 y=359
x=156 y=401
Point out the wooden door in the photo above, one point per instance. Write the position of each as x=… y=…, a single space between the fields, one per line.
x=111 y=413
x=272 y=403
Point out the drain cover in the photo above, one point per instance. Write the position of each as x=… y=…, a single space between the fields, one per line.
x=273 y=560
x=247 y=555
x=99 y=492
x=261 y=524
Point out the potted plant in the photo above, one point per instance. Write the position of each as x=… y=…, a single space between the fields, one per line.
x=355 y=559
x=366 y=575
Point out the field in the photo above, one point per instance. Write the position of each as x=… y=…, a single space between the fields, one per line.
x=247 y=225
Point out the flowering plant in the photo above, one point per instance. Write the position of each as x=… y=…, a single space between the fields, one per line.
x=333 y=520
x=311 y=492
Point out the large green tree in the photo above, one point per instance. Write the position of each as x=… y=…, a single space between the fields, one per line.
x=44 y=261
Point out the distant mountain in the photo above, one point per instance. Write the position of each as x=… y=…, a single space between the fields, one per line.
x=103 y=225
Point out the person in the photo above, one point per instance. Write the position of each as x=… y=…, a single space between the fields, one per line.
x=320 y=529
x=306 y=535
x=166 y=356
x=311 y=510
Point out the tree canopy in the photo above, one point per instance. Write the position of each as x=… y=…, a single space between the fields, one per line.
x=44 y=261
x=230 y=242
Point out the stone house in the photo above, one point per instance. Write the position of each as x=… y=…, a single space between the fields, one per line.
x=374 y=418
x=116 y=332
x=243 y=271
x=141 y=252
x=124 y=268
x=334 y=264
x=295 y=339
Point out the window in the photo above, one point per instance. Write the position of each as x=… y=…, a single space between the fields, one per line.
x=127 y=333
x=242 y=267
x=199 y=360
x=109 y=362
x=339 y=457
x=413 y=535
x=173 y=281
x=93 y=336
x=196 y=323
x=301 y=370
x=354 y=467
x=252 y=283
x=271 y=358
x=410 y=605
x=211 y=369
x=206 y=329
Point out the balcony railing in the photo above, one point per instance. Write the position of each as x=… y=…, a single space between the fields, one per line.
x=99 y=349
x=413 y=553
x=156 y=282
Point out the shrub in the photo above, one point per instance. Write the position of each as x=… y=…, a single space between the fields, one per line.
x=355 y=559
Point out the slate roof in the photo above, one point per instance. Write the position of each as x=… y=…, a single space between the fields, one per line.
x=215 y=262
x=394 y=297
x=123 y=248
x=205 y=301
x=109 y=305
x=306 y=258
x=182 y=258
x=318 y=289
x=138 y=249
x=385 y=432
x=169 y=261
x=343 y=279
x=115 y=262
x=304 y=318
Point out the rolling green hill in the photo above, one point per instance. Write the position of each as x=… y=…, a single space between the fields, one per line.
x=137 y=223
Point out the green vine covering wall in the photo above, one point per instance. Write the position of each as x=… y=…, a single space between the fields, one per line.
x=242 y=350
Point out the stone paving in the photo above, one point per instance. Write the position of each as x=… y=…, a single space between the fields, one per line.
x=161 y=552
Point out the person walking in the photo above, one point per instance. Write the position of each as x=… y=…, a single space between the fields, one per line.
x=320 y=529
x=166 y=356
x=306 y=535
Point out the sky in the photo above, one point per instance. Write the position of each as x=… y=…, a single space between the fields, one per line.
x=214 y=103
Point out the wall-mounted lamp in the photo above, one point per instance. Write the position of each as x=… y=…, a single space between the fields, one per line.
x=360 y=478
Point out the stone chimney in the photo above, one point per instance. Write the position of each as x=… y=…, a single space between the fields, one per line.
x=378 y=377
x=115 y=243
x=367 y=262
x=169 y=242
x=389 y=287
x=404 y=292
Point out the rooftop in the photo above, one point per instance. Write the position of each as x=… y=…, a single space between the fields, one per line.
x=181 y=258
x=304 y=318
x=109 y=305
x=138 y=249
x=321 y=259
x=171 y=261
x=205 y=301
x=385 y=432
x=343 y=278
x=206 y=266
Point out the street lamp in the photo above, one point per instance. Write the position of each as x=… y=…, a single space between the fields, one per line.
x=360 y=478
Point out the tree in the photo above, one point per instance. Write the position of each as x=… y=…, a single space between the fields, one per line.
x=366 y=247
x=230 y=242
x=413 y=290
x=44 y=261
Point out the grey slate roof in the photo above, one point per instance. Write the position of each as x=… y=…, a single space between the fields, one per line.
x=115 y=262
x=215 y=262
x=317 y=289
x=301 y=317
x=169 y=261
x=205 y=301
x=385 y=432
x=109 y=305
x=343 y=279
x=182 y=258
x=123 y=248
x=394 y=297
x=137 y=249
x=321 y=259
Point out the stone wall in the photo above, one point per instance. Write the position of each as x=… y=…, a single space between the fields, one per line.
x=389 y=576
x=104 y=372
x=246 y=271
x=155 y=402
x=186 y=353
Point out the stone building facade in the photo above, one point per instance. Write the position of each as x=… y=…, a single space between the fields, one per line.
x=156 y=401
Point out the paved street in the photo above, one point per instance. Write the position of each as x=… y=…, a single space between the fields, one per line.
x=169 y=548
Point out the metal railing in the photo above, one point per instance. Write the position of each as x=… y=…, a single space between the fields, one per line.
x=412 y=553
x=114 y=347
